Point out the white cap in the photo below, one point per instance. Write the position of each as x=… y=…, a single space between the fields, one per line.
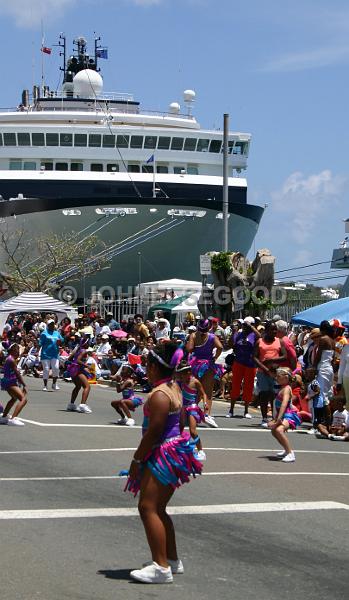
x=249 y=320
x=50 y=321
x=176 y=329
x=105 y=336
x=191 y=328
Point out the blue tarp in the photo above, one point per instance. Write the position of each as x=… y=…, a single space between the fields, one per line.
x=335 y=309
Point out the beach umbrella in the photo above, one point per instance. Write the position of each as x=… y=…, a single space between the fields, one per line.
x=335 y=309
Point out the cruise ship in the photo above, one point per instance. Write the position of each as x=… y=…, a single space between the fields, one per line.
x=149 y=184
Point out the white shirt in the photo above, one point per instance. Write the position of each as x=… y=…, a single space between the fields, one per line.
x=103 y=349
x=340 y=418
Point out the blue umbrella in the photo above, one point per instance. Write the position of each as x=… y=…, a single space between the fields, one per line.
x=335 y=309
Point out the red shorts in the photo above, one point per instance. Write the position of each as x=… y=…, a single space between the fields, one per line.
x=241 y=373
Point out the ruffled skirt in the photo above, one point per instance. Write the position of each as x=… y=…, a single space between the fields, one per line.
x=293 y=418
x=172 y=463
x=193 y=410
x=200 y=366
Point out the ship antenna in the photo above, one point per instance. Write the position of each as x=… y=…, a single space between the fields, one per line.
x=97 y=47
x=63 y=44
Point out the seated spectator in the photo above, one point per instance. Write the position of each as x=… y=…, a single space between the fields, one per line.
x=339 y=428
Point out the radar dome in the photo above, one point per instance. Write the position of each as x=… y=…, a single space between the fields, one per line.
x=189 y=95
x=87 y=84
x=175 y=108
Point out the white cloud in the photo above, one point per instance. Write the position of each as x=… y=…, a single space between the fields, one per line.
x=30 y=13
x=311 y=59
x=306 y=203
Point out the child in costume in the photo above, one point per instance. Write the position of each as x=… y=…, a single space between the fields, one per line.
x=128 y=402
x=286 y=416
x=78 y=371
x=162 y=462
x=13 y=383
x=192 y=392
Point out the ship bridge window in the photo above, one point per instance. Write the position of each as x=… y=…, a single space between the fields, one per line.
x=161 y=169
x=29 y=165
x=202 y=145
x=80 y=139
x=215 y=146
x=164 y=143
x=66 y=139
x=150 y=142
x=177 y=143
x=23 y=139
x=38 y=139
x=113 y=168
x=61 y=166
x=109 y=141
x=76 y=166
x=0 y=139
x=97 y=167
x=122 y=141
x=147 y=169
x=238 y=148
x=10 y=139
x=193 y=170
x=15 y=165
x=47 y=166
x=230 y=147
x=94 y=140
x=190 y=144
x=136 y=141
x=179 y=170
x=52 y=139
x=133 y=168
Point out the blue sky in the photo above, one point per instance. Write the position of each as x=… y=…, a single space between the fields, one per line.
x=279 y=68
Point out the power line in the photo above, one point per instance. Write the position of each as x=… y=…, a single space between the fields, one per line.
x=335 y=272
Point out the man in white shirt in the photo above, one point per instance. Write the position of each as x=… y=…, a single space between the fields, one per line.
x=103 y=348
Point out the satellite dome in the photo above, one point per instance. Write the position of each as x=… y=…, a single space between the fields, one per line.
x=175 y=108
x=189 y=95
x=87 y=84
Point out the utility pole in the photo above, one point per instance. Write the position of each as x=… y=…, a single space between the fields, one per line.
x=225 y=182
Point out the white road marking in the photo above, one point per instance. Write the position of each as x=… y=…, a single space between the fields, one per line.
x=211 y=509
x=207 y=474
x=209 y=449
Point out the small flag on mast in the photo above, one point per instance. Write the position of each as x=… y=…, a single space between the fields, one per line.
x=150 y=159
x=46 y=50
x=102 y=53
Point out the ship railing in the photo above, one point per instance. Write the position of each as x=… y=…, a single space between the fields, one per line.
x=96 y=109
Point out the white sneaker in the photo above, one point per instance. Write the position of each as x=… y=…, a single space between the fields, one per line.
x=289 y=457
x=71 y=407
x=177 y=567
x=264 y=424
x=4 y=420
x=130 y=422
x=83 y=408
x=210 y=421
x=247 y=416
x=44 y=389
x=229 y=415
x=281 y=454
x=55 y=387
x=312 y=431
x=200 y=455
x=122 y=421
x=153 y=573
x=15 y=421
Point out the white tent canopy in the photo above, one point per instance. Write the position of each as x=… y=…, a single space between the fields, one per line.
x=190 y=304
x=30 y=302
x=177 y=285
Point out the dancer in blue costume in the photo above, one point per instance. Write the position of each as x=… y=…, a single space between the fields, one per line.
x=163 y=461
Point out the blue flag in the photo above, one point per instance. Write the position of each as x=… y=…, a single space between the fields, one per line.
x=102 y=53
x=150 y=159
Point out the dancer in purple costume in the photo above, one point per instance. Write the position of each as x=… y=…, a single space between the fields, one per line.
x=193 y=392
x=80 y=375
x=162 y=462
x=201 y=346
x=11 y=382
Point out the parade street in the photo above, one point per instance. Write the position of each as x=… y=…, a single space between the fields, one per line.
x=249 y=527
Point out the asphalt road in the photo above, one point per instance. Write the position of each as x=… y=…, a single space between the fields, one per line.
x=250 y=527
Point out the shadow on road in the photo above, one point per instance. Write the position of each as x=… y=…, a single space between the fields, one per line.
x=115 y=574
